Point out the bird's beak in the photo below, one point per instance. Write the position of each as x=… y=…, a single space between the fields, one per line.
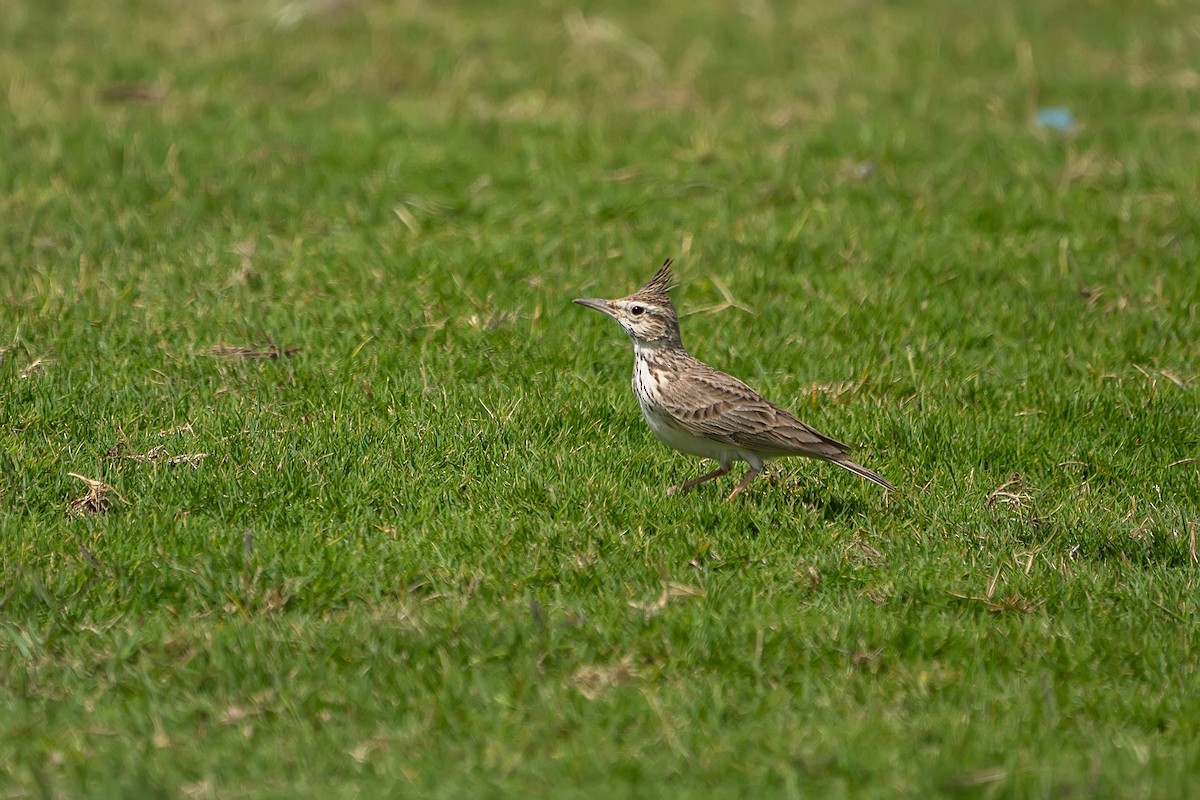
x=596 y=303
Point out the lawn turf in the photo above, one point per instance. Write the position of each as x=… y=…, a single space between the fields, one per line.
x=412 y=537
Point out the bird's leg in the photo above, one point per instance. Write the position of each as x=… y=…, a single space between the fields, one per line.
x=750 y=475
x=683 y=487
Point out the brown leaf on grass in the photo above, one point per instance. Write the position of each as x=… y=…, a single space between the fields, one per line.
x=97 y=499
x=591 y=681
x=222 y=350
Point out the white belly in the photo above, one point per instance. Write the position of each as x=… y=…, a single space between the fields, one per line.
x=672 y=434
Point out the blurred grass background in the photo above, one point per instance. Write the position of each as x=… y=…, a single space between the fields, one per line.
x=428 y=553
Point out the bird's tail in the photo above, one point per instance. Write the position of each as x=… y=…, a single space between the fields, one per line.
x=862 y=472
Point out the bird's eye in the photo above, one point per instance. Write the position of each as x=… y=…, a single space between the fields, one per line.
x=637 y=311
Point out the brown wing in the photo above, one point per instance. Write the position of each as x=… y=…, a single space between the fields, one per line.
x=710 y=403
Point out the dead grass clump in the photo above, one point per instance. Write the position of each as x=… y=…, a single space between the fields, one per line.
x=34 y=367
x=591 y=681
x=155 y=455
x=96 y=501
x=1015 y=496
x=1010 y=493
x=866 y=553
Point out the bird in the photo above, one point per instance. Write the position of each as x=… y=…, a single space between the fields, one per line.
x=699 y=410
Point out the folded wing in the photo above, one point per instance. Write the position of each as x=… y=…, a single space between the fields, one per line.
x=710 y=403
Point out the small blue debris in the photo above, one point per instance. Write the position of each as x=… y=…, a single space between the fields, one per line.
x=1058 y=118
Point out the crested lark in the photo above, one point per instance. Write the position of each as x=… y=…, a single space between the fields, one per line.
x=702 y=411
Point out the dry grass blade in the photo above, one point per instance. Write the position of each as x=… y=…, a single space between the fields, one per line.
x=669 y=591
x=834 y=390
x=728 y=301
x=1009 y=493
x=590 y=32
x=621 y=175
x=970 y=780
x=188 y=459
x=297 y=11
x=151 y=456
x=492 y=322
x=155 y=455
x=236 y=351
x=37 y=365
x=664 y=97
x=97 y=499
x=868 y=554
x=1011 y=602
x=404 y=215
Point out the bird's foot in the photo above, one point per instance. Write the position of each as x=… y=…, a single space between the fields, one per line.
x=750 y=474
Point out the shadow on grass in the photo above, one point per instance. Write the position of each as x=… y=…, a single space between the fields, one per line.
x=833 y=507
x=833 y=501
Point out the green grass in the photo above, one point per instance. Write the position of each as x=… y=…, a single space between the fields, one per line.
x=430 y=555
